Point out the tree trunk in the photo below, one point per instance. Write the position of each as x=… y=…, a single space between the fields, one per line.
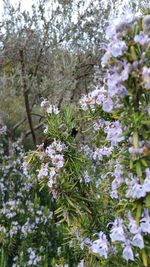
x=26 y=97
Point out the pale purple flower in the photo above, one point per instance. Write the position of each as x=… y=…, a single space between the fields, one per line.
x=58 y=146
x=114 y=194
x=114 y=84
x=43 y=172
x=118 y=171
x=135 y=64
x=105 y=58
x=128 y=16
x=106 y=151
x=98 y=124
x=145 y=222
x=117 y=231
x=100 y=152
x=135 y=190
x=117 y=48
x=83 y=103
x=146 y=185
x=142 y=38
x=81 y=263
x=126 y=71
x=101 y=97
x=146 y=23
x=118 y=25
x=146 y=77
x=133 y=228
x=114 y=133
x=116 y=183
x=52 y=172
x=100 y=246
x=108 y=105
x=128 y=253
x=58 y=161
x=137 y=151
x=138 y=240
x=25 y=167
x=91 y=99
x=87 y=178
x=50 y=151
x=111 y=31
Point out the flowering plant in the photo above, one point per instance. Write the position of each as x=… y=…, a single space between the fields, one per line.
x=29 y=235
x=102 y=186
x=125 y=95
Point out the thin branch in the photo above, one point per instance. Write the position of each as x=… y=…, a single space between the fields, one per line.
x=19 y=123
x=38 y=115
x=35 y=128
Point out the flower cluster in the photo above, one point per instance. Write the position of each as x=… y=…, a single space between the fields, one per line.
x=98 y=97
x=49 y=108
x=136 y=190
x=125 y=92
x=25 y=216
x=54 y=162
x=107 y=189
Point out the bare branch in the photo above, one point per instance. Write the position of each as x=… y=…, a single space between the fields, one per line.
x=19 y=123
x=35 y=128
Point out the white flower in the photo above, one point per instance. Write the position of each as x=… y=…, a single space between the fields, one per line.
x=46 y=129
x=49 y=109
x=50 y=183
x=45 y=103
x=55 y=110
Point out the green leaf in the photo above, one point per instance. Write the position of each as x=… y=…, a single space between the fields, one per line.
x=135 y=139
